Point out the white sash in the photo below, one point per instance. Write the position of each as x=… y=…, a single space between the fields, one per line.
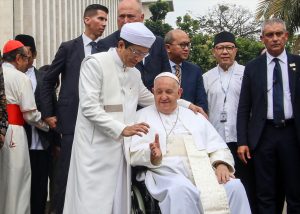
x=212 y=194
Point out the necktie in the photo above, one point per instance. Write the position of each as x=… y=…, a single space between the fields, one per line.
x=278 y=109
x=178 y=72
x=94 y=47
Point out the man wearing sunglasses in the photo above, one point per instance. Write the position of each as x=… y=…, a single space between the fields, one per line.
x=268 y=121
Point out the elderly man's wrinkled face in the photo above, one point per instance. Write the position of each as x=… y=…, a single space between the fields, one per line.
x=129 y=11
x=225 y=53
x=131 y=55
x=274 y=37
x=166 y=93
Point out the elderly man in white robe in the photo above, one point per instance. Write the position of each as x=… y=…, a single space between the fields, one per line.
x=190 y=168
x=109 y=90
x=15 y=171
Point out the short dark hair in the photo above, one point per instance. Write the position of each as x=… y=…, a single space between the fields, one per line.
x=11 y=56
x=92 y=10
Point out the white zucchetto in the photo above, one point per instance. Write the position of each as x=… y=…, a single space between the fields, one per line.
x=167 y=74
x=137 y=33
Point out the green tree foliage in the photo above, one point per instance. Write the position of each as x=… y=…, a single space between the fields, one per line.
x=232 y=18
x=247 y=49
x=202 y=44
x=156 y=23
x=288 y=10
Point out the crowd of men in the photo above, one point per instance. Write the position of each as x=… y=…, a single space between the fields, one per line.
x=225 y=140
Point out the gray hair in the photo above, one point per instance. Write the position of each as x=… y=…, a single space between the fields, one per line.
x=271 y=22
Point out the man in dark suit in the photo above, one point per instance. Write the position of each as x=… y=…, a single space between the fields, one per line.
x=268 y=122
x=178 y=44
x=157 y=60
x=38 y=140
x=67 y=63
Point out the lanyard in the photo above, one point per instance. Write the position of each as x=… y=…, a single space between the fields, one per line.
x=222 y=87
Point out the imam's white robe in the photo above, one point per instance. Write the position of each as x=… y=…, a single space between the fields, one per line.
x=99 y=177
x=15 y=171
x=164 y=182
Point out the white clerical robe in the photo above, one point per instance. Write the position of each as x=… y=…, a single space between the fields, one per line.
x=165 y=181
x=98 y=180
x=15 y=172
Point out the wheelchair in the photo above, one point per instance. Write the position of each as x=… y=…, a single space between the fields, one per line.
x=141 y=200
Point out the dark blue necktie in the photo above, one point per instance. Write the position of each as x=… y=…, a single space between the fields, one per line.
x=278 y=109
x=94 y=47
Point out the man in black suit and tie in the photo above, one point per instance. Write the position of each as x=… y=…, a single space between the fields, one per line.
x=67 y=63
x=178 y=45
x=157 y=60
x=268 y=122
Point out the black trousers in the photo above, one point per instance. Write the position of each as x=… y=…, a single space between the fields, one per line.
x=277 y=170
x=61 y=178
x=40 y=165
x=245 y=172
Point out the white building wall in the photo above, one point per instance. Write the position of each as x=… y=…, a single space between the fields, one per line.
x=50 y=22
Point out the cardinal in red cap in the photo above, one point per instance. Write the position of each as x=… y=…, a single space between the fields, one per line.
x=15 y=53
x=15 y=176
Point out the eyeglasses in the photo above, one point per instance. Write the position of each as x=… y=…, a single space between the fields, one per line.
x=184 y=45
x=272 y=34
x=227 y=48
x=138 y=53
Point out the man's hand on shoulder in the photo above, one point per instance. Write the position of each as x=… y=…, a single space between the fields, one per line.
x=156 y=155
x=197 y=109
x=222 y=173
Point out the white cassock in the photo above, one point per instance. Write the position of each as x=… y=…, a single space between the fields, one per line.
x=179 y=183
x=15 y=171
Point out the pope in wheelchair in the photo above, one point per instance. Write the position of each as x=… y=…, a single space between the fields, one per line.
x=189 y=167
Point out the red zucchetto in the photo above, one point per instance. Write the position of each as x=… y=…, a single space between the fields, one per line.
x=12 y=45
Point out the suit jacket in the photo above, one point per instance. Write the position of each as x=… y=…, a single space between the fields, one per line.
x=192 y=84
x=67 y=62
x=46 y=137
x=156 y=63
x=252 y=109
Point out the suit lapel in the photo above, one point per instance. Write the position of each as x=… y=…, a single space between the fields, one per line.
x=263 y=74
x=291 y=74
x=79 y=48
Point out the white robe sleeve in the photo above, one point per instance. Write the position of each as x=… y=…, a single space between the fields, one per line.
x=90 y=84
x=146 y=98
x=139 y=147
x=28 y=107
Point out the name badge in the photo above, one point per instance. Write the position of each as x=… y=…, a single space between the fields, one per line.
x=223 y=117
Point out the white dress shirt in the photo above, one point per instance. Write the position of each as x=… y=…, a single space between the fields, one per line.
x=231 y=81
x=86 y=44
x=36 y=143
x=287 y=103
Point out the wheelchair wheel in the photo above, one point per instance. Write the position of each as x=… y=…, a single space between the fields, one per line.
x=138 y=206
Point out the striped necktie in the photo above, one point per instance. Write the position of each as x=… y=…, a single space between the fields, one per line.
x=178 y=72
